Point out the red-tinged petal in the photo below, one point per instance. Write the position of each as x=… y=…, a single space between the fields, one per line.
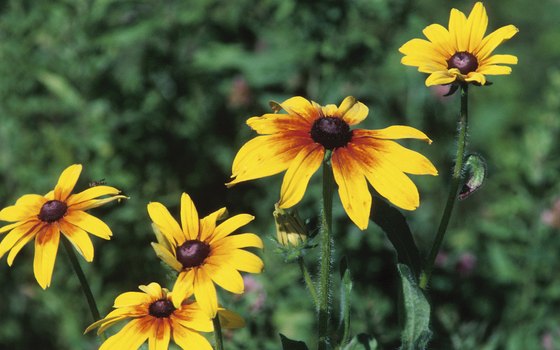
x=79 y=239
x=229 y=226
x=267 y=155
x=10 y=227
x=187 y=339
x=67 y=181
x=352 y=111
x=166 y=224
x=493 y=40
x=205 y=292
x=299 y=173
x=189 y=218
x=300 y=107
x=183 y=287
x=131 y=336
x=18 y=234
x=394 y=132
x=160 y=334
x=46 y=247
x=226 y=277
x=89 y=223
x=352 y=186
x=476 y=26
x=193 y=317
x=277 y=123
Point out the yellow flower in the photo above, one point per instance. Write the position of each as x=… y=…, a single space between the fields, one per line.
x=45 y=217
x=204 y=253
x=156 y=318
x=297 y=142
x=461 y=53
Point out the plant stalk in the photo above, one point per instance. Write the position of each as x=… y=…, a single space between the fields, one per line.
x=308 y=281
x=218 y=333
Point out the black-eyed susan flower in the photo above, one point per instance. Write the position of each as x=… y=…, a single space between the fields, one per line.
x=297 y=142
x=45 y=217
x=203 y=252
x=155 y=318
x=462 y=52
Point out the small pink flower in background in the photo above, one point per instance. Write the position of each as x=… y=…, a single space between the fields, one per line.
x=240 y=93
x=442 y=259
x=551 y=217
x=255 y=288
x=466 y=264
x=547 y=341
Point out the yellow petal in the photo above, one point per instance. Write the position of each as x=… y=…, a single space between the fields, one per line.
x=17 y=234
x=393 y=132
x=193 y=317
x=153 y=289
x=245 y=261
x=208 y=223
x=10 y=227
x=91 y=193
x=352 y=111
x=27 y=206
x=457 y=25
x=46 y=247
x=495 y=70
x=189 y=217
x=476 y=77
x=227 y=227
x=166 y=224
x=160 y=334
x=22 y=242
x=498 y=59
x=67 y=181
x=476 y=26
x=205 y=292
x=299 y=106
x=440 y=78
x=242 y=240
x=187 y=339
x=440 y=38
x=130 y=337
x=352 y=186
x=423 y=49
x=183 y=287
x=493 y=40
x=79 y=239
x=425 y=65
x=276 y=123
x=167 y=256
x=131 y=299
x=267 y=155
x=89 y=223
x=305 y=164
x=226 y=277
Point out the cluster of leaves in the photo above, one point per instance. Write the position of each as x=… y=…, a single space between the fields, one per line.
x=152 y=96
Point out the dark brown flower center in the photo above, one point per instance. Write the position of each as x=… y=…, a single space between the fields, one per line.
x=52 y=211
x=331 y=132
x=161 y=308
x=465 y=62
x=192 y=253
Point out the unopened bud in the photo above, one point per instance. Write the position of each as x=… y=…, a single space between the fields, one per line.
x=475 y=171
x=290 y=229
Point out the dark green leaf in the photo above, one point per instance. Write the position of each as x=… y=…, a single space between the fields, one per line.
x=289 y=344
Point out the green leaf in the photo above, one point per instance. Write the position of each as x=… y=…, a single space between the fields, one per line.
x=362 y=342
x=416 y=333
x=289 y=344
x=394 y=224
x=345 y=292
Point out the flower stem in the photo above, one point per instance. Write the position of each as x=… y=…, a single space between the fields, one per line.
x=453 y=187
x=218 y=333
x=83 y=281
x=308 y=280
x=326 y=255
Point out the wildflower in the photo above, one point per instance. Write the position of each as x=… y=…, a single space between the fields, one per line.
x=45 y=217
x=204 y=253
x=156 y=318
x=297 y=142
x=461 y=53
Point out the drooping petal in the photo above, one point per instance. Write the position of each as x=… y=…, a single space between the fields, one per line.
x=394 y=132
x=89 y=223
x=67 y=181
x=493 y=40
x=277 y=123
x=352 y=111
x=267 y=155
x=188 y=339
x=305 y=164
x=352 y=186
x=457 y=25
x=17 y=234
x=476 y=26
x=189 y=217
x=230 y=320
x=79 y=239
x=229 y=226
x=226 y=277
x=160 y=334
x=205 y=292
x=22 y=242
x=440 y=78
x=167 y=256
x=183 y=287
x=46 y=247
x=166 y=224
x=130 y=337
x=476 y=77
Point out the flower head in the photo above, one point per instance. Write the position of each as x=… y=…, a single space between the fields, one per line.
x=156 y=318
x=297 y=142
x=462 y=52
x=204 y=253
x=45 y=217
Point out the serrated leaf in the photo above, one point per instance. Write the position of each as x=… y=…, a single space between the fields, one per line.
x=362 y=342
x=416 y=333
x=394 y=224
x=289 y=344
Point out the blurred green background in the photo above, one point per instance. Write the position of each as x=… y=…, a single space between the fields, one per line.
x=152 y=96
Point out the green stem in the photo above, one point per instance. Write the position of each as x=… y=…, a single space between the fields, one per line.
x=326 y=255
x=308 y=280
x=453 y=187
x=218 y=333
x=83 y=281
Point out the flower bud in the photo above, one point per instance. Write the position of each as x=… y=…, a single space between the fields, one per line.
x=290 y=229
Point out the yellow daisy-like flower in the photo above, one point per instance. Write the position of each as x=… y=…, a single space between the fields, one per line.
x=297 y=142
x=204 y=253
x=461 y=52
x=156 y=318
x=45 y=217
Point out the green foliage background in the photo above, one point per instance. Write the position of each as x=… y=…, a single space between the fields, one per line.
x=152 y=96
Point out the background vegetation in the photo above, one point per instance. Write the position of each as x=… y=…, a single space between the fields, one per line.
x=152 y=96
